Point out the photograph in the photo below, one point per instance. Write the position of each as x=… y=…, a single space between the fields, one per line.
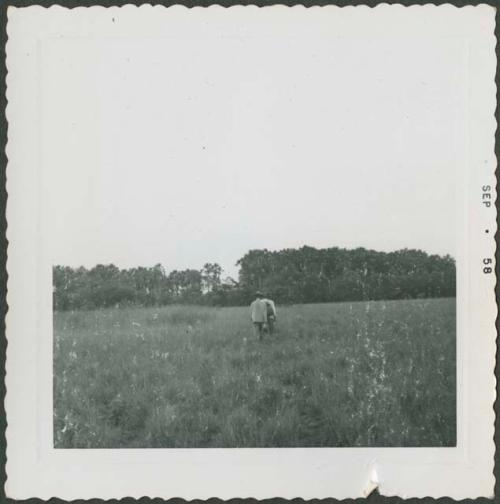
x=251 y=251
x=240 y=262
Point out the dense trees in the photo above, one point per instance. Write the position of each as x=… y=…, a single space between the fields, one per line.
x=305 y=275
x=321 y=275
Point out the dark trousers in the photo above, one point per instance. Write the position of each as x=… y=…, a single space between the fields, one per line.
x=270 y=323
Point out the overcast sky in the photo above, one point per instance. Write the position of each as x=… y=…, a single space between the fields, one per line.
x=183 y=151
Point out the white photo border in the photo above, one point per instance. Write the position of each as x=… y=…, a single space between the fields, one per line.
x=35 y=469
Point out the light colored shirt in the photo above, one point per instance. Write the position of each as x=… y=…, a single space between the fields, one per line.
x=258 y=311
x=270 y=303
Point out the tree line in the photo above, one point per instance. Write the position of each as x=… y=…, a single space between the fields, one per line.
x=305 y=275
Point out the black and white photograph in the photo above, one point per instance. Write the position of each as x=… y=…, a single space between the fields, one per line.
x=256 y=225
x=244 y=264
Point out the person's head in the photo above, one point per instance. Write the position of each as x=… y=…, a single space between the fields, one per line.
x=259 y=295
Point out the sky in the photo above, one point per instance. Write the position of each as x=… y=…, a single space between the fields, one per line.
x=197 y=149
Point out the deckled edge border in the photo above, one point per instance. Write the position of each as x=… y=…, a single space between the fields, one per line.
x=496 y=404
x=3 y=248
x=374 y=497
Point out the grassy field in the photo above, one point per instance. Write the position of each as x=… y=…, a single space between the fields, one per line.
x=347 y=374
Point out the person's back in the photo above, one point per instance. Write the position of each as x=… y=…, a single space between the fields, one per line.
x=258 y=311
x=258 y=314
x=271 y=307
x=271 y=314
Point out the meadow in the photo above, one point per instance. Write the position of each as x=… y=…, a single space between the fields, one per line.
x=344 y=374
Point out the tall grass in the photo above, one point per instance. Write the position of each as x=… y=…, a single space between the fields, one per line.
x=349 y=374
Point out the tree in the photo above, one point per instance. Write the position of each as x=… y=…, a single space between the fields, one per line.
x=305 y=275
x=186 y=285
x=211 y=277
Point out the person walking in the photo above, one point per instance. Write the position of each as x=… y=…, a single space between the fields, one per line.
x=258 y=314
x=271 y=314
